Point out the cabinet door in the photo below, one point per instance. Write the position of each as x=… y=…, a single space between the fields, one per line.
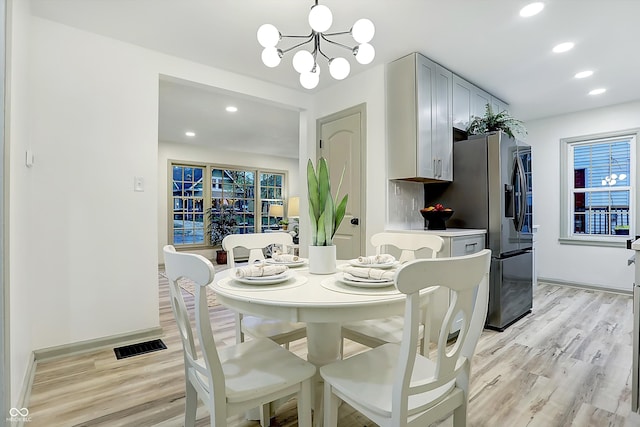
x=479 y=102
x=442 y=144
x=425 y=82
x=462 y=91
x=498 y=106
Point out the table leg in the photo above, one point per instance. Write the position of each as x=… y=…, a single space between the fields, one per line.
x=323 y=345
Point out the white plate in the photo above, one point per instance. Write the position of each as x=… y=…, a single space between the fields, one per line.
x=368 y=284
x=265 y=280
x=287 y=263
x=355 y=263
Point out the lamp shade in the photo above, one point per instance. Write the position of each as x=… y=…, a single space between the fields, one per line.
x=276 y=210
x=293 y=210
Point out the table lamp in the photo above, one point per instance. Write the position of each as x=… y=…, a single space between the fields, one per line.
x=293 y=209
x=276 y=211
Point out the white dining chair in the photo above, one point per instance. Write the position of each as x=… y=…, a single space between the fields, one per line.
x=234 y=379
x=375 y=332
x=279 y=331
x=392 y=384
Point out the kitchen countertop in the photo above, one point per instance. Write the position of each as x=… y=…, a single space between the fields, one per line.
x=453 y=232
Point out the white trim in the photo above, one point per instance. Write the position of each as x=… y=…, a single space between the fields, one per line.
x=24 y=398
x=599 y=288
x=566 y=188
x=51 y=353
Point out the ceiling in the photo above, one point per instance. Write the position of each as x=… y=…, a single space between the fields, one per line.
x=484 y=41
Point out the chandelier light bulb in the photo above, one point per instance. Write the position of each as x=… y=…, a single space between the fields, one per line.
x=339 y=68
x=622 y=177
x=303 y=61
x=365 y=53
x=309 y=80
x=612 y=182
x=320 y=18
x=614 y=176
x=604 y=182
x=268 y=35
x=363 y=30
x=271 y=57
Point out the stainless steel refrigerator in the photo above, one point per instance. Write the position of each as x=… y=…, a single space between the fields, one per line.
x=492 y=190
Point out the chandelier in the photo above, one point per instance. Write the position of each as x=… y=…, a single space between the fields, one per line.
x=305 y=60
x=614 y=178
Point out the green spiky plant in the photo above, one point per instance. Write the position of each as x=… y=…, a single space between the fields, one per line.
x=493 y=122
x=325 y=214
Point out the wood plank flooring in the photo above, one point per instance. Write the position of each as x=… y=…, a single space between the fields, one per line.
x=566 y=364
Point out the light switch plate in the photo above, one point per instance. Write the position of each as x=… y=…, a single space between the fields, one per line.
x=138 y=183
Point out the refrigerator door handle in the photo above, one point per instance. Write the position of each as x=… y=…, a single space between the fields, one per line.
x=522 y=196
x=515 y=200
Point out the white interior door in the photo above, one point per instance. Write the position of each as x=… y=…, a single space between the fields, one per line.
x=341 y=141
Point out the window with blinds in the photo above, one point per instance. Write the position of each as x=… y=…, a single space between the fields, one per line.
x=600 y=179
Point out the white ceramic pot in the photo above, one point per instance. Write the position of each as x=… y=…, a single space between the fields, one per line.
x=322 y=259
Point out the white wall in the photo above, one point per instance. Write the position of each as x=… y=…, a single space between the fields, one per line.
x=189 y=152
x=21 y=209
x=593 y=265
x=92 y=122
x=367 y=87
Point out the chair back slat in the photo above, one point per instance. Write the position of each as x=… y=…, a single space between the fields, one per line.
x=255 y=243
x=407 y=243
x=467 y=278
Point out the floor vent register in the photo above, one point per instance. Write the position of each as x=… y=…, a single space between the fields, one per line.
x=139 y=348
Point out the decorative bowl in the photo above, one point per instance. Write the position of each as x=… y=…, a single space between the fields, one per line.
x=436 y=219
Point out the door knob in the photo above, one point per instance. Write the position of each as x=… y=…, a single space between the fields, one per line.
x=355 y=221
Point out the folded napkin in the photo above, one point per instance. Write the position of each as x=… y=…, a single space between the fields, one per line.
x=280 y=257
x=260 y=270
x=370 y=273
x=377 y=259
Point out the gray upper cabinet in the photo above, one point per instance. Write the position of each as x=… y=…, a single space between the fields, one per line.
x=419 y=112
x=470 y=101
x=498 y=106
x=462 y=105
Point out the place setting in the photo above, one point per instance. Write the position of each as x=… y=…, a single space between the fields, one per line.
x=262 y=275
x=289 y=260
x=366 y=275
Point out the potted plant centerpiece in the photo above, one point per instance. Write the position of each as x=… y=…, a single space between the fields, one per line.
x=221 y=223
x=492 y=122
x=325 y=217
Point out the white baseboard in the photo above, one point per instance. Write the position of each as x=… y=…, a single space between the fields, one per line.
x=25 y=393
x=591 y=287
x=96 y=344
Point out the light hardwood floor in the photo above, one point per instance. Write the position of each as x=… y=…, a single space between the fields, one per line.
x=566 y=364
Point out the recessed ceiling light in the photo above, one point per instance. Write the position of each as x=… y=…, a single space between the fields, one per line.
x=531 y=9
x=189 y=133
x=597 y=91
x=563 y=47
x=583 y=74
x=232 y=109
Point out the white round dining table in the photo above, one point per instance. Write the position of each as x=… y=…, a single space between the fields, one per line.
x=321 y=301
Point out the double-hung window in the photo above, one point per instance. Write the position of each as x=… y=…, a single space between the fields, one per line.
x=598 y=176
x=201 y=193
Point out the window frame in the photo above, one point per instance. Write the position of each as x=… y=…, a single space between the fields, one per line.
x=208 y=197
x=567 y=183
